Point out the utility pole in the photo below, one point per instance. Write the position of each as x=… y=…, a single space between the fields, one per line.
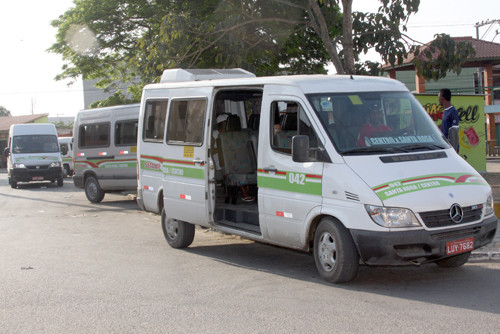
x=480 y=69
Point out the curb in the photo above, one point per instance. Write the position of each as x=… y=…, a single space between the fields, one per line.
x=484 y=256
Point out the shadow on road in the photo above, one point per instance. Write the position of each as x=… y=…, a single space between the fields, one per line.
x=462 y=287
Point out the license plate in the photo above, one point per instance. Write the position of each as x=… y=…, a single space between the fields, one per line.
x=37 y=178
x=459 y=246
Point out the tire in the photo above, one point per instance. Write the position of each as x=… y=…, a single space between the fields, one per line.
x=93 y=190
x=454 y=261
x=335 y=254
x=60 y=182
x=13 y=183
x=178 y=234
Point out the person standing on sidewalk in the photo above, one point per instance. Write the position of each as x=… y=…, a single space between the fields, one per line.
x=450 y=115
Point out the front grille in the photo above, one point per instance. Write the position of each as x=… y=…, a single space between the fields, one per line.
x=35 y=167
x=441 y=218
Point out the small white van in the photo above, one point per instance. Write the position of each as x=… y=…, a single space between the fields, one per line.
x=105 y=150
x=349 y=168
x=66 y=145
x=33 y=154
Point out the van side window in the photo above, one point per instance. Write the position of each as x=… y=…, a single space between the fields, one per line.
x=287 y=120
x=94 y=135
x=154 y=120
x=126 y=133
x=185 y=121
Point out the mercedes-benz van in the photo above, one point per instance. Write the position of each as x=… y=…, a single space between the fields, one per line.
x=349 y=168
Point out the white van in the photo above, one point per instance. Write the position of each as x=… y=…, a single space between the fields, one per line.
x=105 y=150
x=349 y=168
x=33 y=154
x=66 y=145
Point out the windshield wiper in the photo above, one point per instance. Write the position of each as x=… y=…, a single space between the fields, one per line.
x=374 y=149
x=416 y=147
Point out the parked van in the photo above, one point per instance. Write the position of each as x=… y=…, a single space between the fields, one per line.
x=33 y=154
x=104 y=150
x=350 y=168
x=66 y=145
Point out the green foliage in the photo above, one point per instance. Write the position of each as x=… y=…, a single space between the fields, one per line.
x=116 y=99
x=133 y=41
x=4 y=112
x=441 y=56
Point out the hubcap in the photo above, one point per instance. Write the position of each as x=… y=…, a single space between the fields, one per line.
x=327 y=251
x=172 y=228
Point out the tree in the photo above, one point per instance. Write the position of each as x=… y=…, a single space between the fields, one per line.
x=4 y=112
x=133 y=41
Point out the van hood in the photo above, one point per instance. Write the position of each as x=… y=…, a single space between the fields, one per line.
x=423 y=182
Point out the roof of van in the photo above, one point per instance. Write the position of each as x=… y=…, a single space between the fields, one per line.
x=315 y=83
x=33 y=128
x=106 y=112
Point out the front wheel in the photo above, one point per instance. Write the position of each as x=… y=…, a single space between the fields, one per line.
x=454 y=261
x=60 y=182
x=178 y=234
x=93 y=190
x=335 y=254
x=13 y=183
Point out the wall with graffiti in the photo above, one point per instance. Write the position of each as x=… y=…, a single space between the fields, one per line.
x=472 y=131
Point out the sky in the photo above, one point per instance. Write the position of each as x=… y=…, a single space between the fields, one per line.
x=27 y=71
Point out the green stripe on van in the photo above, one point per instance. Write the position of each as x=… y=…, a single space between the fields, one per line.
x=159 y=164
x=291 y=181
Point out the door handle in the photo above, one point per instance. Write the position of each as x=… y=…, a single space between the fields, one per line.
x=198 y=161
x=270 y=169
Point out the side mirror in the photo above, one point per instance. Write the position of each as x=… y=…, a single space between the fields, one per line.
x=453 y=137
x=6 y=152
x=300 y=148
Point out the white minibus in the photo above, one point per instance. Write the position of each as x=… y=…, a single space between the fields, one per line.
x=33 y=154
x=66 y=145
x=349 y=168
x=105 y=150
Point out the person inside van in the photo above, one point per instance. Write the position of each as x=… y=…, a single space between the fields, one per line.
x=374 y=126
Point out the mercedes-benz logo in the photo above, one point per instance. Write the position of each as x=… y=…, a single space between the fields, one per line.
x=456 y=213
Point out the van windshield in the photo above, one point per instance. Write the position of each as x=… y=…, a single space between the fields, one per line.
x=376 y=122
x=35 y=144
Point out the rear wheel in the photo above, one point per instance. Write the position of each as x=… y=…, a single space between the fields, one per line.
x=66 y=171
x=13 y=183
x=60 y=182
x=93 y=190
x=178 y=234
x=335 y=254
x=454 y=261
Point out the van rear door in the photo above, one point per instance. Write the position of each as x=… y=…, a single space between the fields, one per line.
x=185 y=185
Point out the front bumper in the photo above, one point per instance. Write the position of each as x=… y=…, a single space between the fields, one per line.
x=414 y=247
x=42 y=174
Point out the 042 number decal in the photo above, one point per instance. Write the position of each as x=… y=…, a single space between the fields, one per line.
x=297 y=178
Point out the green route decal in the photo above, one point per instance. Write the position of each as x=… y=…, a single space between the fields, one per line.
x=37 y=158
x=290 y=181
x=184 y=168
x=424 y=182
x=115 y=163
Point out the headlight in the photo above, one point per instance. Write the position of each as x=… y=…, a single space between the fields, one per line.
x=392 y=217
x=19 y=165
x=489 y=206
x=55 y=164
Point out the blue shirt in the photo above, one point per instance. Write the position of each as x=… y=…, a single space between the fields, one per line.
x=450 y=118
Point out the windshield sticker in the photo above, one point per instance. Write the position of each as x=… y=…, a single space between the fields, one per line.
x=424 y=182
x=400 y=140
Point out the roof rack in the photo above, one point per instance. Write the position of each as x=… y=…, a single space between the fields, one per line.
x=179 y=74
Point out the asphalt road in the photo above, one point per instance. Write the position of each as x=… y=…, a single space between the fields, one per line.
x=68 y=266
